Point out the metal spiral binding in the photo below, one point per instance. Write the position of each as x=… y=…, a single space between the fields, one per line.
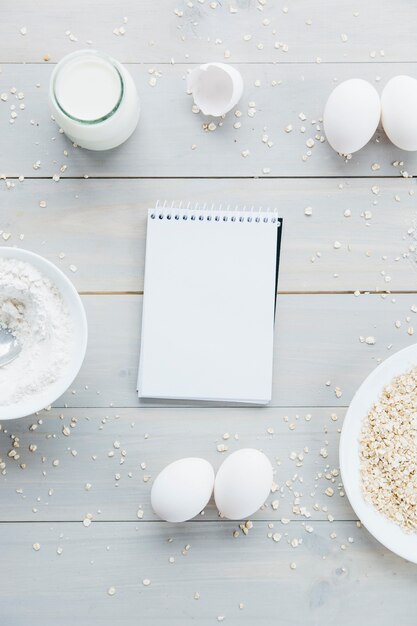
x=178 y=211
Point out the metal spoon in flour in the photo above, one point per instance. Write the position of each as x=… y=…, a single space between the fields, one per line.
x=9 y=347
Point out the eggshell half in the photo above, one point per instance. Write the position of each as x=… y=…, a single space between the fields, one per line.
x=243 y=483
x=216 y=88
x=182 y=489
x=351 y=115
x=399 y=112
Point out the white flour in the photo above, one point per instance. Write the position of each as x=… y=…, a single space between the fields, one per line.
x=32 y=308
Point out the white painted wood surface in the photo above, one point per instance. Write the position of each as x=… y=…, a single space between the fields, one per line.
x=162 y=145
x=155 y=437
x=109 y=250
x=342 y=575
x=329 y=586
x=317 y=341
x=155 y=34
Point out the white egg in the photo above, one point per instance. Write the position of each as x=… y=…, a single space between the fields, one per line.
x=182 y=489
x=399 y=106
x=351 y=115
x=216 y=88
x=242 y=483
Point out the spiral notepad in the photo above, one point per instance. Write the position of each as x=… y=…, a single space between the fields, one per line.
x=209 y=305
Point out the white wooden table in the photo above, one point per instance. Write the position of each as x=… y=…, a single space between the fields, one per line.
x=95 y=214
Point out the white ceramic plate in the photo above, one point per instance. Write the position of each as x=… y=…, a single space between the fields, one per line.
x=79 y=345
x=387 y=533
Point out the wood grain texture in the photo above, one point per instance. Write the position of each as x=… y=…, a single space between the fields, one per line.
x=162 y=145
x=332 y=586
x=155 y=34
x=105 y=476
x=317 y=341
x=109 y=249
x=343 y=576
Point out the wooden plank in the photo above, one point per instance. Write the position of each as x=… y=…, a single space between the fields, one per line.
x=363 y=583
x=110 y=442
x=109 y=248
x=171 y=140
x=343 y=575
x=317 y=342
x=156 y=34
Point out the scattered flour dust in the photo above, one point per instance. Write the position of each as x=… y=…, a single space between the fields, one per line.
x=33 y=309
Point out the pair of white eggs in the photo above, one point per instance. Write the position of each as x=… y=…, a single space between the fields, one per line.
x=242 y=484
x=354 y=109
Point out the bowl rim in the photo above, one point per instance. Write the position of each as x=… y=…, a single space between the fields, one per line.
x=383 y=529
x=15 y=411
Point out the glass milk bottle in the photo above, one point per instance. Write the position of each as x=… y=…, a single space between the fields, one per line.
x=94 y=100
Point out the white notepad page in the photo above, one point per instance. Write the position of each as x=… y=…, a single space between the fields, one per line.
x=208 y=309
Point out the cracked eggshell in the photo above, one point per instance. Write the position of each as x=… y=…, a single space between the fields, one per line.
x=216 y=88
x=351 y=115
x=399 y=106
x=182 y=489
x=243 y=483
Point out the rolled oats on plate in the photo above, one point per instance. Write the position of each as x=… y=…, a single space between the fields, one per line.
x=388 y=452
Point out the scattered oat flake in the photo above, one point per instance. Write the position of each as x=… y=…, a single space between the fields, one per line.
x=36 y=547
x=388 y=449
x=146 y=582
x=111 y=591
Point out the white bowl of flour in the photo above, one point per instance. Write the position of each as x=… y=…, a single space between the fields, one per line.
x=42 y=308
